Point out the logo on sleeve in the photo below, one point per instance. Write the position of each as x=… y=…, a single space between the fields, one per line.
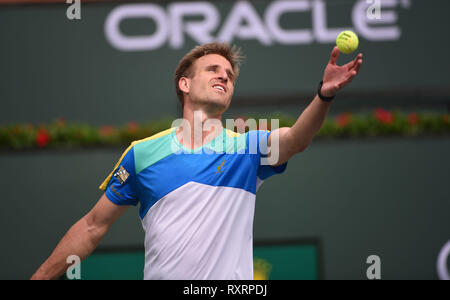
x=121 y=175
x=220 y=167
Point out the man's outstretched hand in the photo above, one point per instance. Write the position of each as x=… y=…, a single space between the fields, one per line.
x=336 y=77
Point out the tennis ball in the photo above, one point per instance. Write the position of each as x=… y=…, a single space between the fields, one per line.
x=347 y=41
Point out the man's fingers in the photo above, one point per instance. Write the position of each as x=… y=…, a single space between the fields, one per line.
x=347 y=79
x=344 y=83
x=358 y=65
x=354 y=62
x=334 y=55
x=351 y=64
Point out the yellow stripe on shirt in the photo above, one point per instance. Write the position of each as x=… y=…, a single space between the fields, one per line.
x=158 y=135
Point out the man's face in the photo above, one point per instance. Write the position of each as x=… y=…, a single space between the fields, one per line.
x=212 y=83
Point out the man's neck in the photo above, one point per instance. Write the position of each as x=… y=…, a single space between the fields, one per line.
x=198 y=128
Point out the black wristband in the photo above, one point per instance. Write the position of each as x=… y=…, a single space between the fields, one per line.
x=322 y=97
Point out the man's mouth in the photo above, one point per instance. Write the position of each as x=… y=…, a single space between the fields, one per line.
x=219 y=87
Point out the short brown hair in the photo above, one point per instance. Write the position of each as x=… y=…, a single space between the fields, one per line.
x=232 y=54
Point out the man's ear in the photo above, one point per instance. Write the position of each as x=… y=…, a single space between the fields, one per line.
x=184 y=84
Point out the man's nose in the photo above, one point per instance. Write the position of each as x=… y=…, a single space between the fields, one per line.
x=223 y=76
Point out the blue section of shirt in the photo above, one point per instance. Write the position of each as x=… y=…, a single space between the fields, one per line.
x=236 y=170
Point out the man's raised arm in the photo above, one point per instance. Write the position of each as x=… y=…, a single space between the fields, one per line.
x=296 y=138
x=81 y=239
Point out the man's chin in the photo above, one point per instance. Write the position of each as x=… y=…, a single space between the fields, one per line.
x=217 y=106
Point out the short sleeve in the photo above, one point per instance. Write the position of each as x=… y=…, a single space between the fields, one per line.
x=120 y=185
x=258 y=141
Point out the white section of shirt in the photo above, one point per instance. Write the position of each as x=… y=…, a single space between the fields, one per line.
x=200 y=231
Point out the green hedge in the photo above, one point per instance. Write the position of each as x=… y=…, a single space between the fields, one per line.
x=62 y=134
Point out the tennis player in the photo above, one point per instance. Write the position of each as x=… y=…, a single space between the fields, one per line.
x=197 y=187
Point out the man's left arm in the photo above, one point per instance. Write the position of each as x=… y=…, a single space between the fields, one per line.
x=296 y=138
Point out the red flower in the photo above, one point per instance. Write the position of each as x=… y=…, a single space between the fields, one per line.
x=384 y=116
x=106 y=130
x=445 y=118
x=133 y=126
x=343 y=119
x=42 y=138
x=413 y=118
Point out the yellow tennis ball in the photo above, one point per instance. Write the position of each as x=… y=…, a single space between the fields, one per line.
x=347 y=41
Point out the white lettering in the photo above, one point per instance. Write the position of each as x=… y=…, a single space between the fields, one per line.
x=321 y=32
x=198 y=128
x=74 y=271
x=272 y=18
x=374 y=271
x=199 y=31
x=273 y=149
x=255 y=29
x=203 y=290
x=374 y=11
x=247 y=289
x=379 y=33
x=212 y=125
x=74 y=11
x=185 y=135
x=442 y=269
x=372 y=22
x=135 y=43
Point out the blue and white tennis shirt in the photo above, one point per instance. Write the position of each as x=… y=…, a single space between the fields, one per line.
x=196 y=206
